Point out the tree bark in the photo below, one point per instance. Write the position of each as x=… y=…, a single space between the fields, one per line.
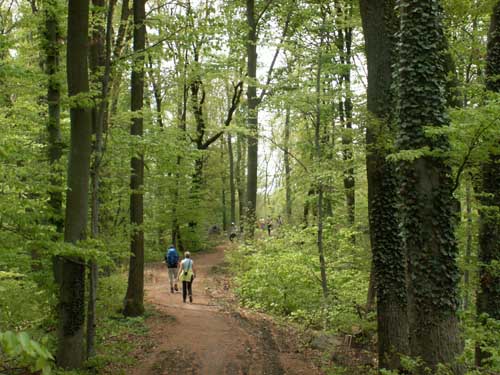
x=286 y=162
x=232 y=187
x=100 y=65
x=134 y=300
x=488 y=296
x=388 y=268
x=318 y=157
x=252 y=119
x=52 y=47
x=468 y=242
x=72 y=286
x=52 y=54
x=427 y=189
x=240 y=180
x=344 y=41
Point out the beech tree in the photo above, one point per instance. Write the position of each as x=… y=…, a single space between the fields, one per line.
x=134 y=300
x=70 y=352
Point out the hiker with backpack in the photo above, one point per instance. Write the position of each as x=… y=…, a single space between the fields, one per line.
x=172 y=260
x=186 y=275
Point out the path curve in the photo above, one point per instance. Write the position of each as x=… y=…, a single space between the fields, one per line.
x=203 y=338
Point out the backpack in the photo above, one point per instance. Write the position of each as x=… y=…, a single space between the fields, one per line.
x=172 y=258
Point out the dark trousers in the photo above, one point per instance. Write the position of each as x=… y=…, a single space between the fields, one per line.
x=186 y=289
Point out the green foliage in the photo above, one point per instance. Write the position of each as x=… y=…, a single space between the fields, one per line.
x=19 y=350
x=281 y=275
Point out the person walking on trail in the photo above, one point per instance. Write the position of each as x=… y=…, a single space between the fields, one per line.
x=269 y=226
x=186 y=275
x=172 y=260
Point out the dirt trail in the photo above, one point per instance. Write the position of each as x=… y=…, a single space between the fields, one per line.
x=204 y=338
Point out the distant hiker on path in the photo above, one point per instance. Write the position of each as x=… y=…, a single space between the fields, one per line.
x=172 y=260
x=186 y=275
x=269 y=226
x=232 y=234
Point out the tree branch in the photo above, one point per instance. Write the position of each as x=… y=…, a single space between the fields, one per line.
x=275 y=57
x=470 y=149
x=238 y=89
x=263 y=11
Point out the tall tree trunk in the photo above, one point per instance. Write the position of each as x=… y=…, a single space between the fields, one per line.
x=119 y=46
x=52 y=34
x=100 y=65
x=232 y=187
x=240 y=180
x=317 y=146
x=181 y=118
x=72 y=286
x=468 y=241
x=488 y=296
x=427 y=188
x=252 y=119
x=134 y=300
x=388 y=270
x=52 y=54
x=156 y=83
x=344 y=15
x=286 y=162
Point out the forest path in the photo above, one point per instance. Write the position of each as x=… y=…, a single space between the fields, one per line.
x=208 y=337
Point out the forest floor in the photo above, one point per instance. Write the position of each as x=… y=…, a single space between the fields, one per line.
x=213 y=336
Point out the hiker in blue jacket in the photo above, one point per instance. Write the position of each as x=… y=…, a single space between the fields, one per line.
x=172 y=260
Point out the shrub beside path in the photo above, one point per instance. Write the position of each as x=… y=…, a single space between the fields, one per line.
x=211 y=336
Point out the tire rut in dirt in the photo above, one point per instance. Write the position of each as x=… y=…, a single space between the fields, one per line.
x=268 y=350
x=176 y=362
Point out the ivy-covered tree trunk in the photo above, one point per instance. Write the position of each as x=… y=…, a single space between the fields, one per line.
x=389 y=261
x=426 y=187
x=134 y=299
x=72 y=284
x=488 y=296
x=252 y=119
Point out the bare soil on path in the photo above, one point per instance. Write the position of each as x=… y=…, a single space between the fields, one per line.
x=211 y=336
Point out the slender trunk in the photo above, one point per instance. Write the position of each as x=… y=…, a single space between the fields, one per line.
x=286 y=161
x=155 y=82
x=240 y=180
x=52 y=46
x=344 y=42
x=119 y=46
x=468 y=242
x=427 y=189
x=52 y=51
x=252 y=119
x=181 y=116
x=488 y=296
x=72 y=284
x=99 y=60
x=317 y=146
x=372 y=289
x=134 y=300
x=232 y=188
x=388 y=271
